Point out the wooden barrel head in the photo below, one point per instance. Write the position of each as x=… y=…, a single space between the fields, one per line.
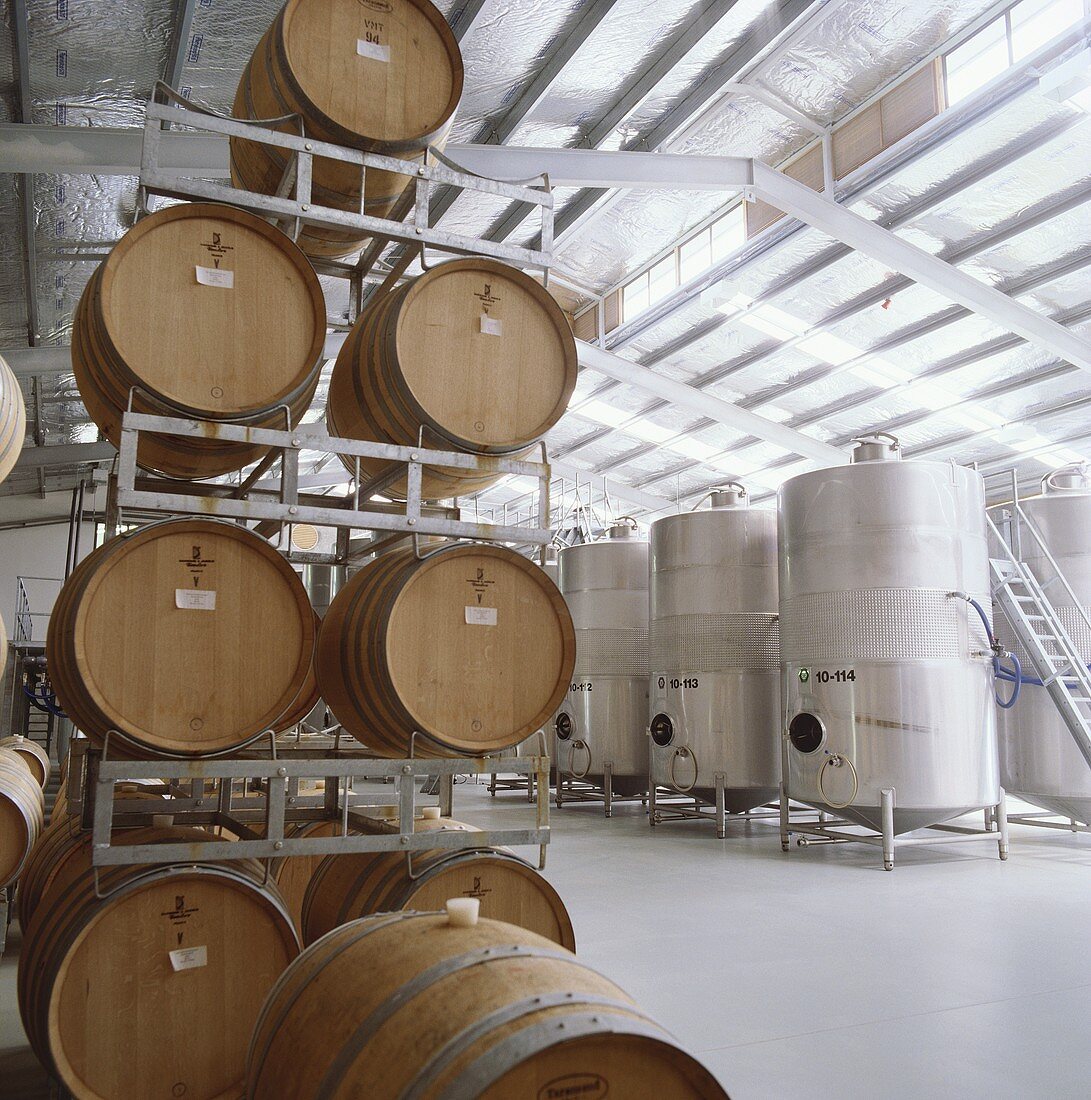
x=386 y=70
x=173 y=971
x=212 y=309
x=188 y=637
x=476 y=648
x=487 y=353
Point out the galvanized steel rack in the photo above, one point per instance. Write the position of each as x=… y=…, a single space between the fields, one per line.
x=293 y=206
x=250 y=790
x=414 y=517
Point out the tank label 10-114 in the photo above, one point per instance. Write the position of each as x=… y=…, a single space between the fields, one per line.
x=828 y=676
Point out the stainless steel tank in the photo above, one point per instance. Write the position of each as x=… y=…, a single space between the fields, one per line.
x=714 y=687
x=1039 y=761
x=888 y=680
x=604 y=720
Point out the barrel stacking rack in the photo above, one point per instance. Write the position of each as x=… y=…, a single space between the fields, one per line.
x=260 y=792
x=292 y=206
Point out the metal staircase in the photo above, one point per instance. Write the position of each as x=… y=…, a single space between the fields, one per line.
x=1022 y=598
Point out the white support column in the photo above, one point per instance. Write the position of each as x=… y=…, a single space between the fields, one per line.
x=687 y=397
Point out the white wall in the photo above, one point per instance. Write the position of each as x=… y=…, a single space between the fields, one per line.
x=35 y=552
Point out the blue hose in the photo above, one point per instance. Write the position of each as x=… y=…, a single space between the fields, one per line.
x=1009 y=675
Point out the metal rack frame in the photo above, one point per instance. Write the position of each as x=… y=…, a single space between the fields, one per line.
x=93 y=776
x=413 y=518
x=575 y=788
x=840 y=831
x=666 y=804
x=292 y=206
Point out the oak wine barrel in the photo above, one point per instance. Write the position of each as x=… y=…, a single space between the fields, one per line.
x=22 y=814
x=413 y=1005
x=381 y=76
x=171 y=964
x=472 y=646
x=475 y=352
x=63 y=843
x=213 y=314
x=13 y=421
x=308 y=697
x=359 y=884
x=293 y=873
x=34 y=756
x=188 y=637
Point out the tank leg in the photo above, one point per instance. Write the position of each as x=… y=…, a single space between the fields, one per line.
x=721 y=808
x=608 y=788
x=785 y=835
x=1001 y=812
x=560 y=788
x=492 y=784
x=530 y=786
x=653 y=817
x=989 y=820
x=887 y=806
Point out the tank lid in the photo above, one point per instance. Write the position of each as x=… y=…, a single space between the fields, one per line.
x=624 y=528
x=1074 y=478
x=731 y=495
x=877 y=447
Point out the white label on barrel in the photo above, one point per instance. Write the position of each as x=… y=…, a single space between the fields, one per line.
x=215 y=276
x=481 y=616
x=189 y=958
x=373 y=50
x=491 y=326
x=194 y=599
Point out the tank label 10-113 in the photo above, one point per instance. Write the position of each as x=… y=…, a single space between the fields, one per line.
x=675 y=682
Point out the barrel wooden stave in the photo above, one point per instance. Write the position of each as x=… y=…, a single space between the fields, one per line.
x=418 y=360
x=310 y=1039
x=156 y=1027
x=13 y=423
x=397 y=654
x=22 y=814
x=346 y=887
x=181 y=680
x=34 y=756
x=314 y=61
x=149 y=333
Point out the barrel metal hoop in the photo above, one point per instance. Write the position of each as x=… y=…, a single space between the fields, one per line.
x=372 y=925
x=459 y=1043
x=365 y=1032
x=517 y=1048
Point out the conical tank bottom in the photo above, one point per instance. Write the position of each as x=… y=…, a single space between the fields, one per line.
x=1075 y=808
x=905 y=821
x=737 y=800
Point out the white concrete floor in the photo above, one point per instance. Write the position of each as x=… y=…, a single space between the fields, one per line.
x=815 y=974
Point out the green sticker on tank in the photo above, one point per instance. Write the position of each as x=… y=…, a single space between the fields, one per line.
x=804 y=675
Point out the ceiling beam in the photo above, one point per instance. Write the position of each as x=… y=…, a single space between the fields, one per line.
x=25 y=104
x=35 y=362
x=465 y=19
x=798 y=200
x=723 y=412
x=926 y=327
x=65 y=454
x=768 y=30
x=179 y=42
x=579 y=167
